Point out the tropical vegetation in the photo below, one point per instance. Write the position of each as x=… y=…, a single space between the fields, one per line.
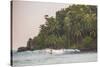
x=73 y=27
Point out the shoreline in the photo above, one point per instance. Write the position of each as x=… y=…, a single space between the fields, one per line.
x=56 y=50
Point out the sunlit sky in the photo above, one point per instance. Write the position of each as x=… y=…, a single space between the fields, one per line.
x=27 y=18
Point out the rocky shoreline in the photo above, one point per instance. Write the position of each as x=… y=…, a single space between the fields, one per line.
x=21 y=49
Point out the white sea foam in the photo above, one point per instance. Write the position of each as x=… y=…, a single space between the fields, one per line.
x=61 y=51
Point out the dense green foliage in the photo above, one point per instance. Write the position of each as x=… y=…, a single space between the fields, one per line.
x=73 y=27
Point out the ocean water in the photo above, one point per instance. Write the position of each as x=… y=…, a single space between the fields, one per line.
x=40 y=57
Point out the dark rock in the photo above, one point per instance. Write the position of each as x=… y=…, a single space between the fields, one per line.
x=20 y=49
x=29 y=44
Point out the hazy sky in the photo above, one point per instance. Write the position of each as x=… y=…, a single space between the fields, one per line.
x=27 y=18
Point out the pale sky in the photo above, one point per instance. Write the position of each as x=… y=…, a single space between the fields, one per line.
x=27 y=18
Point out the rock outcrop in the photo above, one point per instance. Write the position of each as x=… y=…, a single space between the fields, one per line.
x=28 y=47
x=20 y=49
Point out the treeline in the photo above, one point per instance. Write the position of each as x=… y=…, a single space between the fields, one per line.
x=73 y=27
